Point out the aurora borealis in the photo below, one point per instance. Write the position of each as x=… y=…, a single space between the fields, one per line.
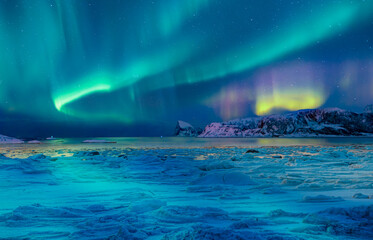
x=138 y=62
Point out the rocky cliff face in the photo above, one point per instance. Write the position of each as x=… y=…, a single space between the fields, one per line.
x=184 y=129
x=369 y=108
x=303 y=123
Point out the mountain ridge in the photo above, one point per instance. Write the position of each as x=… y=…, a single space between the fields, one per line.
x=301 y=123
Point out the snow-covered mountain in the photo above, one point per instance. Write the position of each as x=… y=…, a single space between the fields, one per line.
x=6 y=139
x=184 y=129
x=303 y=123
x=369 y=108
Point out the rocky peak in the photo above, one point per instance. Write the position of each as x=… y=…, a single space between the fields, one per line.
x=368 y=108
x=184 y=129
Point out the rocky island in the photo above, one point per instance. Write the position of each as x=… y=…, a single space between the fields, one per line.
x=302 y=123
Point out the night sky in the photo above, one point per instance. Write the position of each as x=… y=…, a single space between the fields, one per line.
x=134 y=67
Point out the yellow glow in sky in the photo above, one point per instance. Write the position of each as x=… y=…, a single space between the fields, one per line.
x=292 y=100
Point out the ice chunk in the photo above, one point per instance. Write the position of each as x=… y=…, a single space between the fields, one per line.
x=360 y=196
x=98 y=141
x=147 y=205
x=86 y=153
x=231 y=178
x=321 y=198
x=214 y=166
x=190 y=214
x=34 y=142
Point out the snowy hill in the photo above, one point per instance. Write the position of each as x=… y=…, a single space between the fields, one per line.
x=6 y=139
x=369 y=108
x=184 y=129
x=303 y=123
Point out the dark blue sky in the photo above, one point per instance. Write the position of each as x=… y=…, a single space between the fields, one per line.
x=132 y=68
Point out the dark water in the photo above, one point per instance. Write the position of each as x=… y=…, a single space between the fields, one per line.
x=180 y=142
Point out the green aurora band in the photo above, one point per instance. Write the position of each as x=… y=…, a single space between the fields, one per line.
x=70 y=54
x=307 y=30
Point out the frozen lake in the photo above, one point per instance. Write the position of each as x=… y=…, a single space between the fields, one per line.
x=188 y=188
x=181 y=142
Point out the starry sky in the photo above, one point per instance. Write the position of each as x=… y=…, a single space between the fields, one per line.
x=134 y=67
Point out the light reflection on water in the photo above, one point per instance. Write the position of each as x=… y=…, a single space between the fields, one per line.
x=181 y=142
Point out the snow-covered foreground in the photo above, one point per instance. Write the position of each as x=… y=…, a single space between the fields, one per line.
x=114 y=192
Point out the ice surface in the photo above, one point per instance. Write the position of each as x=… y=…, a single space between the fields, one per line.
x=34 y=142
x=97 y=141
x=117 y=192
